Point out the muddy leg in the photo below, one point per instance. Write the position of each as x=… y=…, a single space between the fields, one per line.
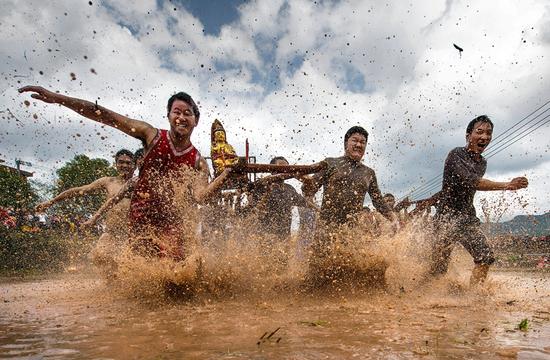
x=479 y=274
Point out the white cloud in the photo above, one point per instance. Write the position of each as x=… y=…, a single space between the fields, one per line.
x=274 y=77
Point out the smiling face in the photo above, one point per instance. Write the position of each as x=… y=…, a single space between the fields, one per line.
x=182 y=119
x=125 y=166
x=480 y=137
x=355 y=146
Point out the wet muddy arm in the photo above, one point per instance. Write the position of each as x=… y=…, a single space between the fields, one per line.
x=514 y=184
x=202 y=190
x=110 y=203
x=136 y=128
x=378 y=200
x=312 y=183
x=99 y=184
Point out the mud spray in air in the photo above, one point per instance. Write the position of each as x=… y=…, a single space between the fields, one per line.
x=241 y=295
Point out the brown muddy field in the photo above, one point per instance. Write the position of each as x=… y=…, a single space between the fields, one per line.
x=79 y=315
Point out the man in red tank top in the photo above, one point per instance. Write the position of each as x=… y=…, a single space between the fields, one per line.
x=168 y=153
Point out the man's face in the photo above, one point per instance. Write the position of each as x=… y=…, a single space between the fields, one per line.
x=125 y=165
x=355 y=146
x=480 y=137
x=182 y=118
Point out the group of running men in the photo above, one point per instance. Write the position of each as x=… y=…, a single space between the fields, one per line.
x=345 y=181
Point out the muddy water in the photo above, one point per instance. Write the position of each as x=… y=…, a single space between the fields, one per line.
x=77 y=315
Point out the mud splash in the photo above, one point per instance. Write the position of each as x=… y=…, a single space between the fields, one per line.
x=78 y=316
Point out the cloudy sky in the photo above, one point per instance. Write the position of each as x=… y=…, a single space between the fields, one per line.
x=292 y=77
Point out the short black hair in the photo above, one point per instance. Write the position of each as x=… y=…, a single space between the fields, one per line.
x=276 y=158
x=482 y=118
x=388 y=195
x=355 y=130
x=183 y=97
x=139 y=153
x=124 y=152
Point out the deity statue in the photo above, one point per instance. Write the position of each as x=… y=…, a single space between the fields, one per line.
x=221 y=152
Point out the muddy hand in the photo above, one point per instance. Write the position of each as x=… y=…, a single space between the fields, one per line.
x=43 y=206
x=40 y=93
x=518 y=183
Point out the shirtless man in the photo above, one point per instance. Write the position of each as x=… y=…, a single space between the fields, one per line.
x=456 y=215
x=125 y=166
x=346 y=181
x=125 y=192
x=115 y=232
x=168 y=152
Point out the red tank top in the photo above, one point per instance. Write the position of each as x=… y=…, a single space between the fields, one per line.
x=152 y=197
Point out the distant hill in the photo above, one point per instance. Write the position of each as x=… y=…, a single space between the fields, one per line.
x=532 y=225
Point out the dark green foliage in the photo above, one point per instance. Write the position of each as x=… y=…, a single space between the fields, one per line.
x=78 y=172
x=42 y=251
x=15 y=191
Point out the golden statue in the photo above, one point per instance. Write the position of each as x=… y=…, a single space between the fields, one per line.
x=221 y=152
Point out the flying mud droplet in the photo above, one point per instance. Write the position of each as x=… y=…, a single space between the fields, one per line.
x=35 y=116
x=92 y=70
x=73 y=76
x=27 y=103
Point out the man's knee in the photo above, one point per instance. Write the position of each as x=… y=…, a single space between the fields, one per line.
x=476 y=244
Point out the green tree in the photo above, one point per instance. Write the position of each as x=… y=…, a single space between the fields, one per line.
x=15 y=190
x=78 y=172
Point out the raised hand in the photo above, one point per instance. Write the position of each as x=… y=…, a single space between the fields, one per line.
x=41 y=94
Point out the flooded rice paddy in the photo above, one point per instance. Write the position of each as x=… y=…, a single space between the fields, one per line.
x=78 y=315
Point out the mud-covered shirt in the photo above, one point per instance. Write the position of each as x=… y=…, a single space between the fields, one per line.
x=345 y=183
x=275 y=207
x=461 y=175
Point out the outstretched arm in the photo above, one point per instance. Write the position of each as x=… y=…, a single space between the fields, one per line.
x=136 y=128
x=72 y=192
x=203 y=190
x=110 y=203
x=378 y=200
x=424 y=204
x=514 y=184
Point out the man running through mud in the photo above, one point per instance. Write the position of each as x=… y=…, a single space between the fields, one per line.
x=116 y=230
x=456 y=219
x=345 y=183
x=275 y=200
x=111 y=185
x=153 y=212
x=125 y=192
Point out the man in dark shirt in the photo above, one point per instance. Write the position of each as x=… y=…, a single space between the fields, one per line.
x=275 y=202
x=345 y=183
x=456 y=214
